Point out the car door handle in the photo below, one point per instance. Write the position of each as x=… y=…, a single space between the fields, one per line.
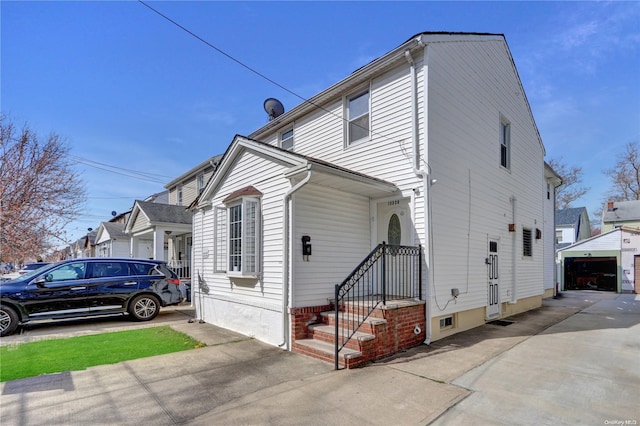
x=131 y=283
x=78 y=288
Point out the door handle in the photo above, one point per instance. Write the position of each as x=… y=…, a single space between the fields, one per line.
x=78 y=288
x=131 y=283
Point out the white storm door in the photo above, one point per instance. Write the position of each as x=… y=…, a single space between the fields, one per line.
x=493 y=282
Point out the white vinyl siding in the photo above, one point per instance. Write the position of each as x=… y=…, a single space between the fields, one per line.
x=458 y=143
x=473 y=198
x=220 y=239
x=263 y=292
x=338 y=225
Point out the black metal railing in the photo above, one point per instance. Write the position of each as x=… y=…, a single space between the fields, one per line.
x=389 y=272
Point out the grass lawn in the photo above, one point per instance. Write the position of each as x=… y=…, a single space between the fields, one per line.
x=78 y=353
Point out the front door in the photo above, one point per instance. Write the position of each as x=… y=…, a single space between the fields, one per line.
x=394 y=222
x=493 y=281
x=394 y=228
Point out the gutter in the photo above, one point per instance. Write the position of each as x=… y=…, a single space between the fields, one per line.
x=286 y=290
x=423 y=173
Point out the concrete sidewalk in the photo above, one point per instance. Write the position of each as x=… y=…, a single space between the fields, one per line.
x=236 y=380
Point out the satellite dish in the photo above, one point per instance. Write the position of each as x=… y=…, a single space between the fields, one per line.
x=273 y=107
x=113 y=213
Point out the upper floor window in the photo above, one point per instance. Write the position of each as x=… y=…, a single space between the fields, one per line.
x=358 y=117
x=286 y=140
x=179 y=195
x=200 y=182
x=505 y=143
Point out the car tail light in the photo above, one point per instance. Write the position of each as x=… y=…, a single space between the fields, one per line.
x=173 y=281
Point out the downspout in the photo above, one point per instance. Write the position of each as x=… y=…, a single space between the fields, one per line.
x=423 y=173
x=514 y=249
x=286 y=257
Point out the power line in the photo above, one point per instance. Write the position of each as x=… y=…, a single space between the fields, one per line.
x=275 y=83
x=253 y=70
x=135 y=174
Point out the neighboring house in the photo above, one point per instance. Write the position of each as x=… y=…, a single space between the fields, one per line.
x=609 y=262
x=160 y=227
x=572 y=225
x=621 y=213
x=551 y=278
x=432 y=149
x=83 y=246
x=111 y=240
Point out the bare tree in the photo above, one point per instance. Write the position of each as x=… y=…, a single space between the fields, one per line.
x=571 y=188
x=40 y=193
x=625 y=175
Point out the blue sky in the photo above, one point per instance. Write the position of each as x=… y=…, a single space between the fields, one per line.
x=126 y=88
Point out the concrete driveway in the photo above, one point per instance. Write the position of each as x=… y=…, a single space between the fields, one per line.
x=574 y=361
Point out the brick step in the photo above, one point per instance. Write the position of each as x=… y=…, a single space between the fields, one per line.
x=347 y=358
x=367 y=325
x=326 y=333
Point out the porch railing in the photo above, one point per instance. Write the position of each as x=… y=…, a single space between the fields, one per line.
x=389 y=272
x=181 y=267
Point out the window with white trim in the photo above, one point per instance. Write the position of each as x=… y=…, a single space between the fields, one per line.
x=505 y=143
x=238 y=237
x=200 y=182
x=179 y=195
x=357 y=112
x=286 y=140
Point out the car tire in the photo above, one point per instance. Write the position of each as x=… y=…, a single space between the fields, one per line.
x=8 y=320
x=144 y=307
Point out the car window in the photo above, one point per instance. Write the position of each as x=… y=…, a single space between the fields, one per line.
x=70 y=271
x=142 y=268
x=109 y=269
x=166 y=271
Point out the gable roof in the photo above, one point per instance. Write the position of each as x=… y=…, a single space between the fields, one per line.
x=419 y=41
x=115 y=230
x=588 y=241
x=621 y=211
x=325 y=173
x=570 y=216
x=157 y=214
x=209 y=163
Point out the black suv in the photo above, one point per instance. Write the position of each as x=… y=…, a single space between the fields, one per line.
x=88 y=287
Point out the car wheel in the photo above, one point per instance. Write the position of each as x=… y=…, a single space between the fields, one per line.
x=144 y=307
x=8 y=320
